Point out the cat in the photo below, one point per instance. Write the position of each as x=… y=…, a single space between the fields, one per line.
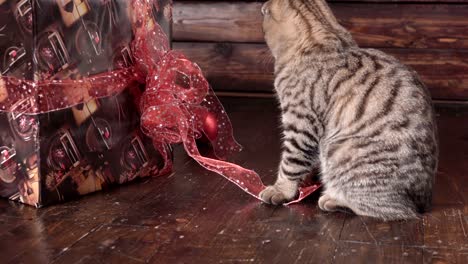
x=361 y=117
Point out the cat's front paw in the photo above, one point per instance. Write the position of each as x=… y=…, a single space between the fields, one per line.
x=273 y=195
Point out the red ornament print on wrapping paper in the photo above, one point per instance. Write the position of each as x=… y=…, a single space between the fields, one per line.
x=178 y=106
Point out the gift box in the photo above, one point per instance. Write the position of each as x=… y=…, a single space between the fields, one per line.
x=72 y=142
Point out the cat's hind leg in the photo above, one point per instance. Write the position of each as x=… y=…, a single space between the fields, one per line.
x=384 y=204
x=327 y=203
x=330 y=203
x=385 y=208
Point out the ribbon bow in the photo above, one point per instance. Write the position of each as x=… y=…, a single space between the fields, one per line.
x=177 y=101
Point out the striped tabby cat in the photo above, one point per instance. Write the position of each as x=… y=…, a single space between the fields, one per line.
x=359 y=115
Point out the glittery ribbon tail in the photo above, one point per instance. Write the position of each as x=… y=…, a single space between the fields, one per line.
x=247 y=180
x=166 y=117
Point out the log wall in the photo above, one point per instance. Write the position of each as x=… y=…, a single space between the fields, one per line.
x=225 y=38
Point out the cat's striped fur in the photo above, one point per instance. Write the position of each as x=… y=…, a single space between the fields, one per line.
x=359 y=115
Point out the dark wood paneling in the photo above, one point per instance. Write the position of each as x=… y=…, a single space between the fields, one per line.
x=373 y=25
x=232 y=67
x=249 y=67
x=217 y=21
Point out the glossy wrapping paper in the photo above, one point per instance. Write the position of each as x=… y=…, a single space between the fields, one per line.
x=99 y=98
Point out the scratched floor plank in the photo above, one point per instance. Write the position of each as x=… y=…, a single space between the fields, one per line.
x=371 y=253
x=195 y=216
x=447 y=227
x=446 y=256
x=363 y=229
x=116 y=244
x=41 y=240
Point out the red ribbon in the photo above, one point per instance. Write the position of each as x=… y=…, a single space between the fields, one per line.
x=176 y=100
x=174 y=106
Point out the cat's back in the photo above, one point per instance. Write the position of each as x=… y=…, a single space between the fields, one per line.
x=366 y=84
x=379 y=127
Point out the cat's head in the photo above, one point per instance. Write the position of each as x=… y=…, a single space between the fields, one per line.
x=280 y=25
x=292 y=26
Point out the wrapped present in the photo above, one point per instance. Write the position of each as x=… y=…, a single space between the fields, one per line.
x=69 y=98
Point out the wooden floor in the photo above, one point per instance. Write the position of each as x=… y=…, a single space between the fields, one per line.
x=195 y=216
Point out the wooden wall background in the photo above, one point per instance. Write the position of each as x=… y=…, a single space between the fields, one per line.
x=225 y=38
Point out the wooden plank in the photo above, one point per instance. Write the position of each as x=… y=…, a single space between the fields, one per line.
x=115 y=244
x=42 y=240
x=447 y=227
x=371 y=253
x=363 y=229
x=19 y=211
x=249 y=67
x=443 y=255
x=372 y=25
x=241 y=67
x=308 y=235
